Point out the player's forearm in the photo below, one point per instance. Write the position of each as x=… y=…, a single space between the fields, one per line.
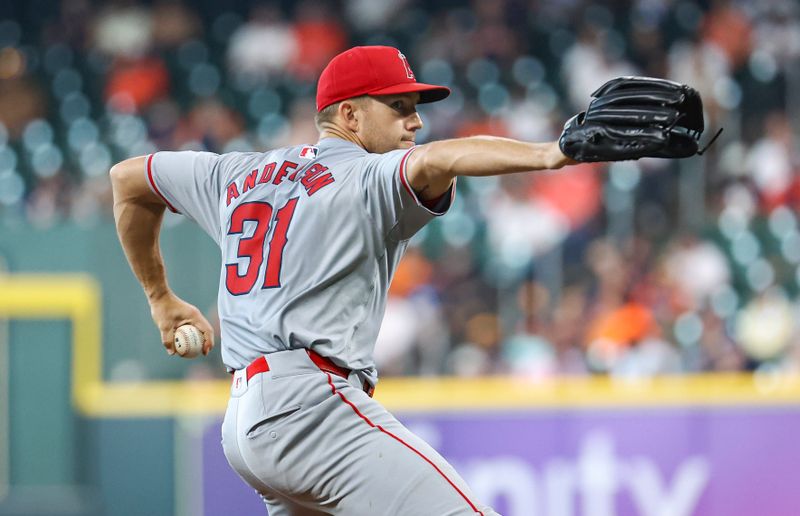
x=490 y=155
x=138 y=220
x=138 y=230
x=432 y=166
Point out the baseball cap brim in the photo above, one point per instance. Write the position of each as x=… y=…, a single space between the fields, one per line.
x=427 y=92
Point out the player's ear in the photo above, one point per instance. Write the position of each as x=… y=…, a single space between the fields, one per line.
x=347 y=113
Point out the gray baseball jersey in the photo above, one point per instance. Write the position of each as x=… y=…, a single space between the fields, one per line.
x=310 y=237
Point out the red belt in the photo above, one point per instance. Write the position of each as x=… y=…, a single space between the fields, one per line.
x=260 y=365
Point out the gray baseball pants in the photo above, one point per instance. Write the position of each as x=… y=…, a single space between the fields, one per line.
x=314 y=443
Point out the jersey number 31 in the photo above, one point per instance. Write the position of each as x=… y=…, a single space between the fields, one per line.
x=253 y=247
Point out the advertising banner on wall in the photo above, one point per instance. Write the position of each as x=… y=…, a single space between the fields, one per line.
x=719 y=461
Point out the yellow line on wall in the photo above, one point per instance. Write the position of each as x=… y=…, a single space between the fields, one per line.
x=75 y=297
x=587 y=392
x=174 y=398
x=78 y=299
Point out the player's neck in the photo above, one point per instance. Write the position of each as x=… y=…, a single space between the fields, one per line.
x=331 y=131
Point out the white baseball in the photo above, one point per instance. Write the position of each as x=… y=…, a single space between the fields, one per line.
x=188 y=341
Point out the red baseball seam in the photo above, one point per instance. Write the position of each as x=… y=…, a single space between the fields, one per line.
x=426 y=459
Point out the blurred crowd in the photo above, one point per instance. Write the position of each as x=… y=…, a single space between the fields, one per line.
x=632 y=269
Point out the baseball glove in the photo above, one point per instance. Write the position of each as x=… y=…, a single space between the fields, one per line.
x=636 y=117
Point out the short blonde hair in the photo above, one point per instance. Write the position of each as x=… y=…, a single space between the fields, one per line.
x=328 y=113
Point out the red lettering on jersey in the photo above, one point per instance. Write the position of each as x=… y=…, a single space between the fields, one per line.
x=250 y=181
x=312 y=183
x=269 y=168
x=315 y=169
x=286 y=166
x=233 y=193
x=313 y=179
x=293 y=177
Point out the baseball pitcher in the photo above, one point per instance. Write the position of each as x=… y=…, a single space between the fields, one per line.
x=310 y=236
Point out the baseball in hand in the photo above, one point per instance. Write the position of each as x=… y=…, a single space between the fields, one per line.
x=188 y=341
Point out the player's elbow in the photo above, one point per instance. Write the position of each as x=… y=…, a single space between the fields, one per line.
x=118 y=174
x=128 y=180
x=121 y=172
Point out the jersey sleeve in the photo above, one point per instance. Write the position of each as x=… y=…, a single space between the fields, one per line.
x=189 y=183
x=391 y=201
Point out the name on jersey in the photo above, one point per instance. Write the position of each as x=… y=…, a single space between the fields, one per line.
x=313 y=179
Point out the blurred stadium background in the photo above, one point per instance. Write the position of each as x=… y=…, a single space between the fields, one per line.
x=602 y=340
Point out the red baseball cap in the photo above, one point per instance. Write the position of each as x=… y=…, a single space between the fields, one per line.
x=375 y=70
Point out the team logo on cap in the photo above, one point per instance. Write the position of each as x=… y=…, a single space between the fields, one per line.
x=409 y=73
x=308 y=152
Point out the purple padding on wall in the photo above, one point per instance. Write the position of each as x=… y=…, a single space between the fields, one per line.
x=626 y=462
